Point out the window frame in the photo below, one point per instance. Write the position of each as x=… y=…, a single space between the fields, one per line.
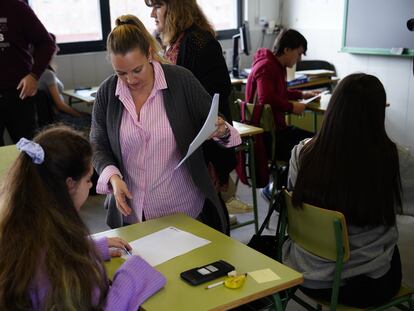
x=100 y=45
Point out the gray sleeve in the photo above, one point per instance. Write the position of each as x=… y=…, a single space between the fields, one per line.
x=47 y=79
x=103 y=155
x=294 y=164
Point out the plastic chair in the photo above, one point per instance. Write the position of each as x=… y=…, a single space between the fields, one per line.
x=314 y=64
x=330 y=242
x=317 y=64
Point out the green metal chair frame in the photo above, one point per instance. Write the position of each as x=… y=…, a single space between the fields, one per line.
x=330 y=241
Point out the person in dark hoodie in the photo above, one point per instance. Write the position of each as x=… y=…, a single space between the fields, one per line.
x=268 y=79
x=25 y=51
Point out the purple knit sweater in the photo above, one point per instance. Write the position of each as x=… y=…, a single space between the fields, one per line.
x=134 y=282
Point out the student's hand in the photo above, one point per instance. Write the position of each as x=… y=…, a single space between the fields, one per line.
x=309 y=94
x=298 y=108
x=28 y=86
x=222 y=129
x=117 y=247
x=121 y=191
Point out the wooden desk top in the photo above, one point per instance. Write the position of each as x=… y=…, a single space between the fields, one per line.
x=246 y=130
x=7 y=156
x=82 y=95
x=178 y=295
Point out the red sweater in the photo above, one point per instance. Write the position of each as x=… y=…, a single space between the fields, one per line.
x=19 y=28
x=268 y=76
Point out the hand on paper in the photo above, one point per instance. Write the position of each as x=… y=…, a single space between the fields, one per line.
x=121 y=192
x=309 y=94
x=298 y=108
x=221 y=130
x=117 y=246
x=28 y=86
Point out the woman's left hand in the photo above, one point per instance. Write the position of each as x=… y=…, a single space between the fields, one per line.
x=222 y=129
x=117 y=247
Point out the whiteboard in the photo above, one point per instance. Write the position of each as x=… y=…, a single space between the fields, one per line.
x=378 y=27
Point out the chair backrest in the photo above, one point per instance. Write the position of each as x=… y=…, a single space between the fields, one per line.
x=320 y=231
x=314 y=64
x=266 y=120
x=44 y=109
x=7 y=156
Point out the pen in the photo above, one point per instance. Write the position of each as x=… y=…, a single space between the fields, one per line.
x=127 y=251
x=215 y=284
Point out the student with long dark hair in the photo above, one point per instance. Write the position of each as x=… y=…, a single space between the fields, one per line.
x=352 y=166
x=47 y=259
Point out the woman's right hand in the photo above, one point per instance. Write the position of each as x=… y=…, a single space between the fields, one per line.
x=121 y=191
x=298 y=108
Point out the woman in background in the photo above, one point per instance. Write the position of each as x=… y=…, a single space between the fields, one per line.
x=47 y=259
x=53 y=87
x=189 y=41
x=351 y=166
x=144 y=119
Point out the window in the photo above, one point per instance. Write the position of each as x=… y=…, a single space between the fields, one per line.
x=83 y=25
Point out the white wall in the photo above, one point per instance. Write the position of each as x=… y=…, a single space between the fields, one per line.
x=320 y=21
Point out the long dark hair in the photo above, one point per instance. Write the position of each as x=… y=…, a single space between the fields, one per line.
x=351 y=165
x=40 y=229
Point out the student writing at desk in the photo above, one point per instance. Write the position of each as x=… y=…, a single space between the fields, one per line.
x=268 y=80
x=47 y=259
x=143 y=121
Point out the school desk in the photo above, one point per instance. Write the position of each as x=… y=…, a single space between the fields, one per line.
x=247 y=133
x=81 y=95
x=317 y=107
x=178 y=295
x=7 y=156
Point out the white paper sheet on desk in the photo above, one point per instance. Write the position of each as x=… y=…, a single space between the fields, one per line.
x=208 y=128
x=163 y=245
x=309 y=100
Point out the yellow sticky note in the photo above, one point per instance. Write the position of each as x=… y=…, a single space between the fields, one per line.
x=265 y=275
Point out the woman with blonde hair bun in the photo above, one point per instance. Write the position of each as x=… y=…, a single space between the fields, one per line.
x=144 y=118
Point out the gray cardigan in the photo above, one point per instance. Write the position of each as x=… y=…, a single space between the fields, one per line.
x=186 y=104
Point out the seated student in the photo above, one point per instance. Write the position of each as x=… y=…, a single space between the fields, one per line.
x=50 y=83
x=47 y=259
x=351 y=166
x=268 y=80
x=144 y=119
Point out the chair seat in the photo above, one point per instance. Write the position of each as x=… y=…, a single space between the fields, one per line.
x=404 y=291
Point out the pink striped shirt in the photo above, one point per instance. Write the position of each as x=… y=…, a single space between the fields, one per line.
x=150 y=154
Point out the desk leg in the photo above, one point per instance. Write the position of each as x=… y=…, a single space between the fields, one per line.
x=253 y=178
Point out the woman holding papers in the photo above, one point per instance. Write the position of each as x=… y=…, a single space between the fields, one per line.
x=47 y=259
x=143 y=121
x=364 y=185
x=189 y=41
x=268 y=80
